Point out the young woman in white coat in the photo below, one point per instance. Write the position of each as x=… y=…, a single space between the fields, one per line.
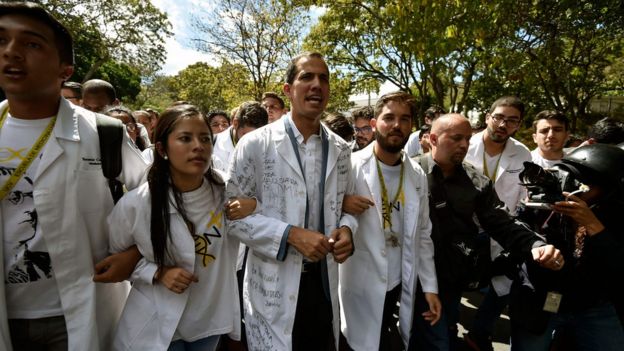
x=184 y=294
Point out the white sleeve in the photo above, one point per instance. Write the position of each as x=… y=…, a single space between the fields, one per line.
x=262 y=233
x=412 y=147
x=133 y=164
x=427 y=271
x=120 y=225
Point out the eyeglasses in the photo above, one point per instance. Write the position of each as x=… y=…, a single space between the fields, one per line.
x=509 y=121
x=131 y=127
x=366 y=129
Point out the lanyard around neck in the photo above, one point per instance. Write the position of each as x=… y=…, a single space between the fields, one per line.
x=26 y=162
x=325 y=150
x=387 y=206
x=485 y=167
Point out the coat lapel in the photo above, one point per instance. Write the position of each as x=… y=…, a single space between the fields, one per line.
x=332 y=152
x=506 y=159
x=66 y=127
x=285 y=150
x=412 y=198
x=369 y=170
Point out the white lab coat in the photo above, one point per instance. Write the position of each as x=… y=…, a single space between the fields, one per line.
x=412 y=147
x=72 y=199
x=363 y=277
x=264 y=166
x=222 y=150
x=507 y=186
x=152 y=312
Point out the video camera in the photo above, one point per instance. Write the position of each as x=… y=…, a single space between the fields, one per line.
x=545 y=186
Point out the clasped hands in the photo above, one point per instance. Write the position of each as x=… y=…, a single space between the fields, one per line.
x=315 y=246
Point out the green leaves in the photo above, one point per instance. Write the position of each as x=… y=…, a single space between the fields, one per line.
x=261 y=35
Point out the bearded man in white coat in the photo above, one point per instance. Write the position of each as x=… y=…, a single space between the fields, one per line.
x=501 y=158
x=55 y=198
x=393 y=251
x=298 y=171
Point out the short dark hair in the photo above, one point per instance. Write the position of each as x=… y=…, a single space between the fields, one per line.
x=75 y=87
x=339 y=124
x=270 y=94
x=96 y=86
x=607 y=131
x=424 y=129
x=433 y=110
x=509 y=101
x=551 y=115
x=291 y=69
x=62 y=38
x=397 y=96
x=216 y=113
x=365 y=112
x=252 y=114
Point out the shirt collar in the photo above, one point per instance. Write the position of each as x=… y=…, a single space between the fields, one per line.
x=432 y=167
x=297 y=134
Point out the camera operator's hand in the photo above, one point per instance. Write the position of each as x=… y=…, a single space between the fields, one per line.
x=549 y=257
x=580 y=212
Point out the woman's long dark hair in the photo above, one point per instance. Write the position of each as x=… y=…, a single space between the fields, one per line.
x=160 y=182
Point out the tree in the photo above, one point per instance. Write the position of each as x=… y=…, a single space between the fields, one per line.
x=132 y=32
x=427 y=48
x=261 y=35
x=212 y=88
x=556 y=56
x=157 y=92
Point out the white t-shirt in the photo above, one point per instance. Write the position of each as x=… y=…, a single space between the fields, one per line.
x=213 y=266
x=540 y=161
x=31 y=290
x=391 y=175
x=492 y=163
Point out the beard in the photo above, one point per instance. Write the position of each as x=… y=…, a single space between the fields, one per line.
x=497 y=138
x=387 y=146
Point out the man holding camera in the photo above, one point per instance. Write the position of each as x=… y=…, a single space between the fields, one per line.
x=587 y=228
x=459 y=193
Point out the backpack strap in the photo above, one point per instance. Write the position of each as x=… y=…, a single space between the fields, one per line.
x=110 y=132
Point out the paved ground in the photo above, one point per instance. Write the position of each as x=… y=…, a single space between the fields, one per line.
x=470 y=302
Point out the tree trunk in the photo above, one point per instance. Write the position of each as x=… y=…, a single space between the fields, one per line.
x=94 y=67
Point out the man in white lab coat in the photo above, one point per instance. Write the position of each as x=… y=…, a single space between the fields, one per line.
x=500 y=157
x=393 y=250
x=54 y=197
x=298 y=171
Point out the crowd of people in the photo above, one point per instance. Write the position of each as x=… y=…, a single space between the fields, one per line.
x=288 y=228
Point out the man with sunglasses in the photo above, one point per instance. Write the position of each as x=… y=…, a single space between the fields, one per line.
x=500 y=157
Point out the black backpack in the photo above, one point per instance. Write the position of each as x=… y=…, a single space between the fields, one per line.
x=110 y=132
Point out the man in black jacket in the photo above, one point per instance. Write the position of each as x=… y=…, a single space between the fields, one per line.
x=459 y=194
x=587 y=227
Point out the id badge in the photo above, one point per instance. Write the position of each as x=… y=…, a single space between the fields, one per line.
x=553 y=300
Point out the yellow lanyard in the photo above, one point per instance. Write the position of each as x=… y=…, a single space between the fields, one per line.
x=485 y=167
x=26 y=162
x=387 y=206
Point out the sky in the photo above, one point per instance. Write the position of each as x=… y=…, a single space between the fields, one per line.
x=180 y=49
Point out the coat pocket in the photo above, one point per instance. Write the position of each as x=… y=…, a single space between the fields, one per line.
x=263 y=287
x=137 y=326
